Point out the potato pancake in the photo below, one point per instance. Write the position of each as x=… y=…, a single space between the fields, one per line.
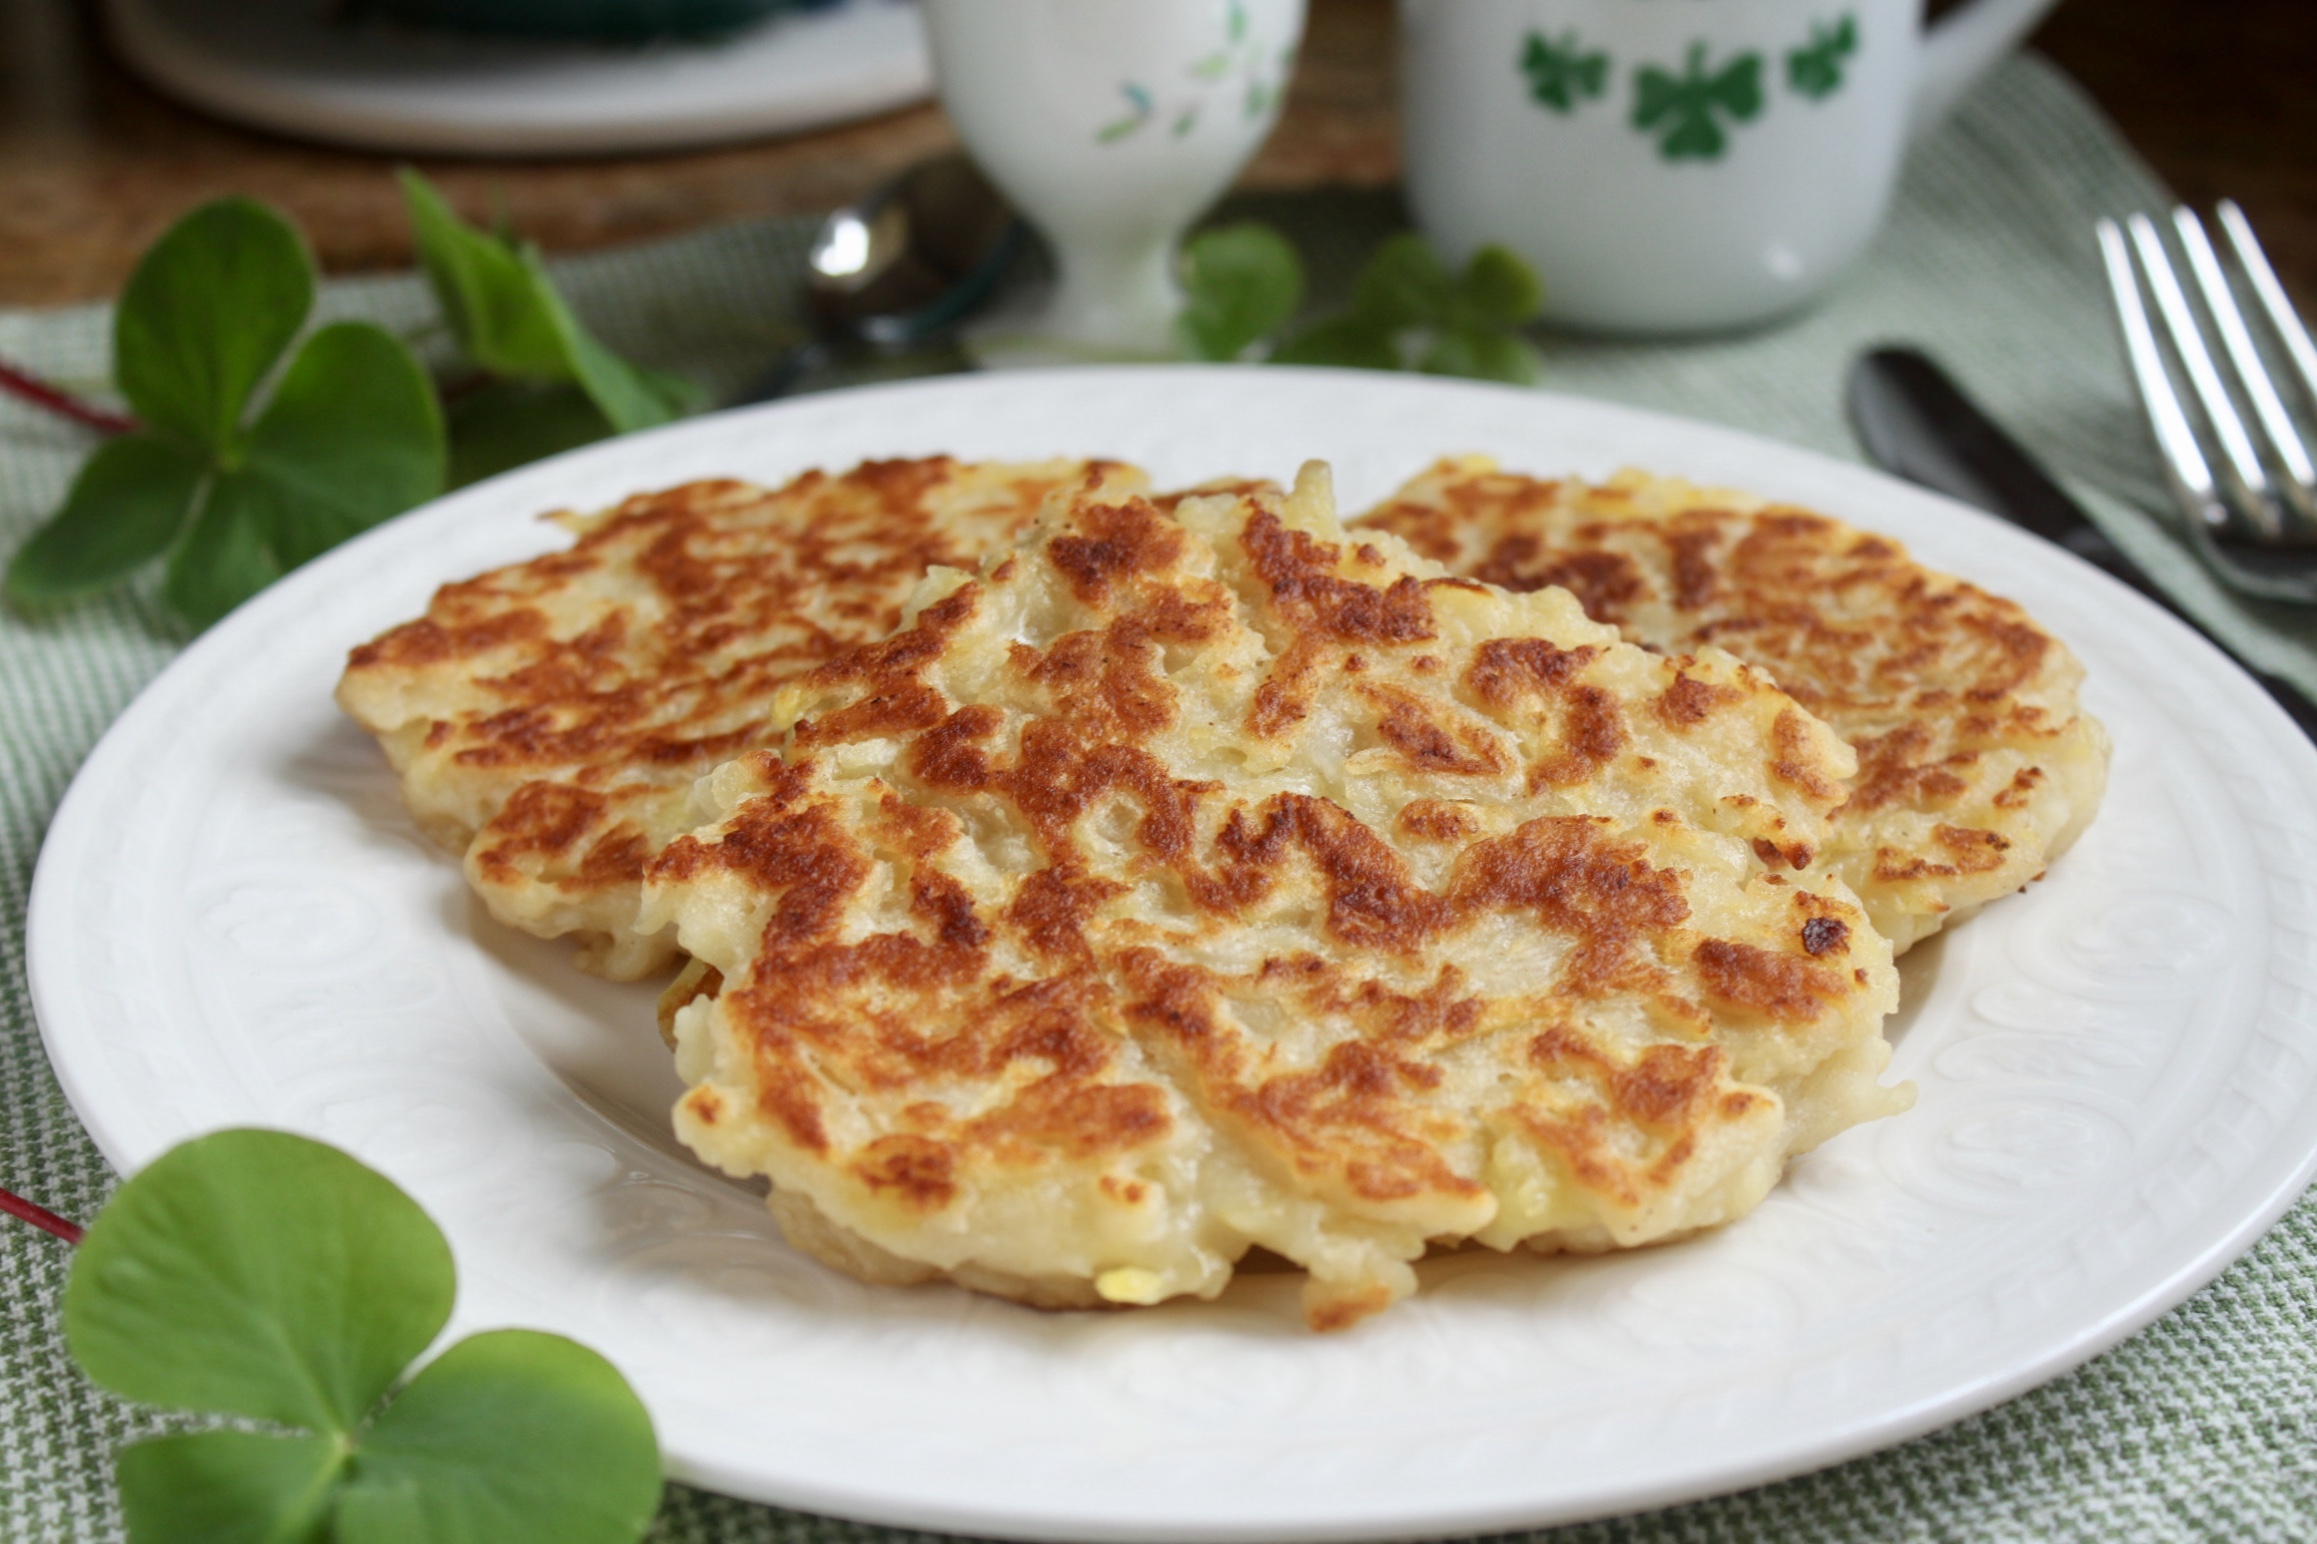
x=548 y=719
x=1177 y=885
x=1977 y=765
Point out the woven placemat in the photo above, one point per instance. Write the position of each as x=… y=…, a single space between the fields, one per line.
x=2204 y=1426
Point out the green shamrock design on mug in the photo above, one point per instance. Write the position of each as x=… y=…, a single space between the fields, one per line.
x=1559 y=75
x=1815 y=70
x=1685 y=105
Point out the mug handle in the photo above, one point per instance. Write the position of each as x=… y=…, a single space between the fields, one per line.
x=1959 y=49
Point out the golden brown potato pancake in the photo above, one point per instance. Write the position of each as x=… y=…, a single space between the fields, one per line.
x=548 y=719
x=1173 y=886
x=1977 y=765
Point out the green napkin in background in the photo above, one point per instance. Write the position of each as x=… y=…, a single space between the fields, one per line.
x=2204 y=1426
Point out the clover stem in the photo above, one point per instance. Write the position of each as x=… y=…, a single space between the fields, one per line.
x=31 y=388
x=464 y=386
x=40 y=1217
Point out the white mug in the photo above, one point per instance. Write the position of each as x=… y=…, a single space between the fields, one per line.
x=1112 y=124
x=1672 y=166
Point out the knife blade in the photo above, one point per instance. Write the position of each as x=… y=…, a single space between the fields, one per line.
x=1915 y=422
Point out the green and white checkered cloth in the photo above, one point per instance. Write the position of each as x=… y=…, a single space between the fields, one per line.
x=2204 y=1426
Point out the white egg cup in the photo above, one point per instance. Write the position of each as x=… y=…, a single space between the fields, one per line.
x=1111 y=125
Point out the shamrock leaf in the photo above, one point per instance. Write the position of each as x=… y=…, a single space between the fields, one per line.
x=124 y=509
x=262 y=1275
x=1686 y=105
x=1407 y=311
x=1815 y=70
x=510 y=1435
x=1345 y=342
x=1240 y=284
x=1559 y=75
x=1481 y=356
x=259 y=1274
x=483 y=287
x=500 y=424
x=1497 y=292
x=350 y=437
x=1404 y=283
x=512 y=324
x=208 y=311
x=1408 y=308
x=228 y=1487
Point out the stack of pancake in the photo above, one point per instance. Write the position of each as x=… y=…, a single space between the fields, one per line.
x=1072 y=888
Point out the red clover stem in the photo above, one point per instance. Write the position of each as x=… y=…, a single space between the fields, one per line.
x=40 y=1217
x=31 y=388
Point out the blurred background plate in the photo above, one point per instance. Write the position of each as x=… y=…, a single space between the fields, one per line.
x=300 y=68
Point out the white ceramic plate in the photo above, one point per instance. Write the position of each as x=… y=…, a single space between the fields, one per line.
x=234 y=922
x=287 y=65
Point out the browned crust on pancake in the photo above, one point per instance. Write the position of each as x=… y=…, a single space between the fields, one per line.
x=1181 y=885
x=1976 y=765
x=550 y=717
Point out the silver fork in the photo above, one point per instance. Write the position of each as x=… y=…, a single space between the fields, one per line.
x=2254 y=520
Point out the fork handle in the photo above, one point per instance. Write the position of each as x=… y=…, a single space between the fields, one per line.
x=1916 y=423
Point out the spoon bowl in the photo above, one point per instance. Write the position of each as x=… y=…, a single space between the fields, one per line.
x=905 y=264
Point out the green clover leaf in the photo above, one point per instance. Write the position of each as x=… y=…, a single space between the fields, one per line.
x=507 y=423
x=1241 y=283
x=1482 y=356
x=229 y=1487
x=262 y=1275
x=1409 y=309
x=351 y=435
x=125 y=508
x=1815 y=70
x=1344 y=342
x=1685 y=106
x=224 y=558
x=509 y=1437
x=1560 y=75
x=1496 y=292
x=259 y=1274
x=512 y=324
x=1404 y=284
x=208 y=312
x=484 y=288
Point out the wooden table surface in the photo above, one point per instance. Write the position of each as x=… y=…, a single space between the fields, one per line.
x=94 y=164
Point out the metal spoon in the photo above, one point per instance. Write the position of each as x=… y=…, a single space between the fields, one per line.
x=903 y=265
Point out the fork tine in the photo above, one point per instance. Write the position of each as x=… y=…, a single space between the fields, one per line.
x=2237 y=453
x=2242 y=461
x=2271 y=294
x=2221 y=305
x=2191 y=474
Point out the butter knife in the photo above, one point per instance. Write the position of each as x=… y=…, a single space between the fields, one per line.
x=1916 y=423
